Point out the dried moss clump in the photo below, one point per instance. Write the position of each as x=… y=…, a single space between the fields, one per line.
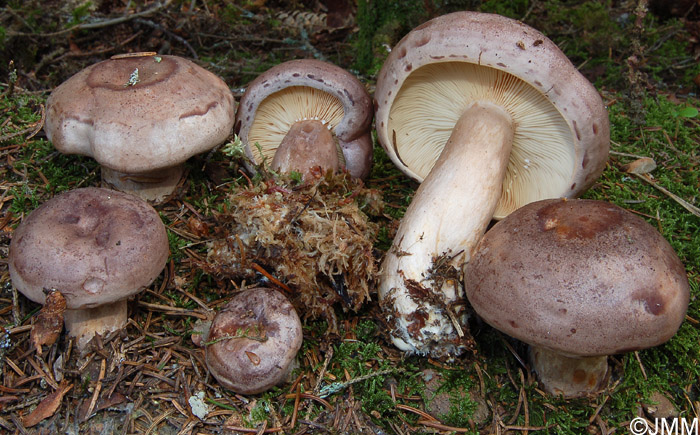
x=315 y=238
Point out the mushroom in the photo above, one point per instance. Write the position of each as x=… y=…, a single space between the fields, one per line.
x=489 y=115
x=97 y=247
x=141 y=116
x=577 y=280
x=253 y=340
x=306 y=113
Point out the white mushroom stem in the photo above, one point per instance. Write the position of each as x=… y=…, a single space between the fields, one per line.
x=83 y=324
x=308 y=144
x=446 y=218
x=568 y=376
x=152 y=186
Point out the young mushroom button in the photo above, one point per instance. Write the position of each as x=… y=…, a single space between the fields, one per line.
x=489 y=115
x=577 y=280
x=141 y=116
x=306 y=113
x=95 y=246
x=253 y=341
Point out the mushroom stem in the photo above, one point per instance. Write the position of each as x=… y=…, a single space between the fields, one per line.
x=568 y=376
x=85 y=323
x=152 y=186
x=308 y=144
x=449 y=213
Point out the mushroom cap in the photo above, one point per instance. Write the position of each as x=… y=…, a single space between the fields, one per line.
x=307 y=89
x=253 y=341
x=94 y=245
x=135 y=114
x=581 y=277
x=441 y=68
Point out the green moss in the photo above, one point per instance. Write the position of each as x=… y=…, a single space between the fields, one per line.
x=176 y=242
x=381 y=24
x=457 y=384
x=514 y=9
x=262 y=408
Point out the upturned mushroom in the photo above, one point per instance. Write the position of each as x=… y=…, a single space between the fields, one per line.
x=252 y=342
x=141 y=116
x=489 y=115
x=577 y=280
x=97 y=247
x=307 y=113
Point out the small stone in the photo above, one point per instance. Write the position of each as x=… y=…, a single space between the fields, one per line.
x=659 y=406
x=200 y=332
x=439 y=403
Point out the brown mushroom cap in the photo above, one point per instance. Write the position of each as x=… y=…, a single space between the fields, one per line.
x=313 y=90
x=136 y=114
x=96 y=246
x=580 y=277
x=253 y=341
x=442 y=67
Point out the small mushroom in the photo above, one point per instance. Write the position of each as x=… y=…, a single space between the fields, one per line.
x=307 y=113
x=141 y=116
x=97 y=247
x=489 y=115
x=253 y=340
x=577 y=280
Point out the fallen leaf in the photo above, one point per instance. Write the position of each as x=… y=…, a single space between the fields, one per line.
x=340 y=13
x=642 y=165
x=197 y=227
x=253 y=357
x=102 y=403
x=49 y=321
x=48 y=406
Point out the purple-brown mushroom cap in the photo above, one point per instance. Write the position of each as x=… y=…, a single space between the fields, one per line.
x=253 y=341
x=571 y=141
x=582 y=277
x=313 y=90
x=140 y=115
x=577 y=280
x=94 y=245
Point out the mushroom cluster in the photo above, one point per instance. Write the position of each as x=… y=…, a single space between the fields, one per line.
x=485 y=112
x=488 y=114
x=96 y=247
x=577 y=280
x=141 y=116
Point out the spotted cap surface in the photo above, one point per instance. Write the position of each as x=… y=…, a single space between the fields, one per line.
x=581 y=277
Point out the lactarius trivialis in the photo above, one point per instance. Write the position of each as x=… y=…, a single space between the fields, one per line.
x=488 y=114
x=307 y=113
x=577 y=280
x=141 y=116
x=97 y=247
x=253 y=340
